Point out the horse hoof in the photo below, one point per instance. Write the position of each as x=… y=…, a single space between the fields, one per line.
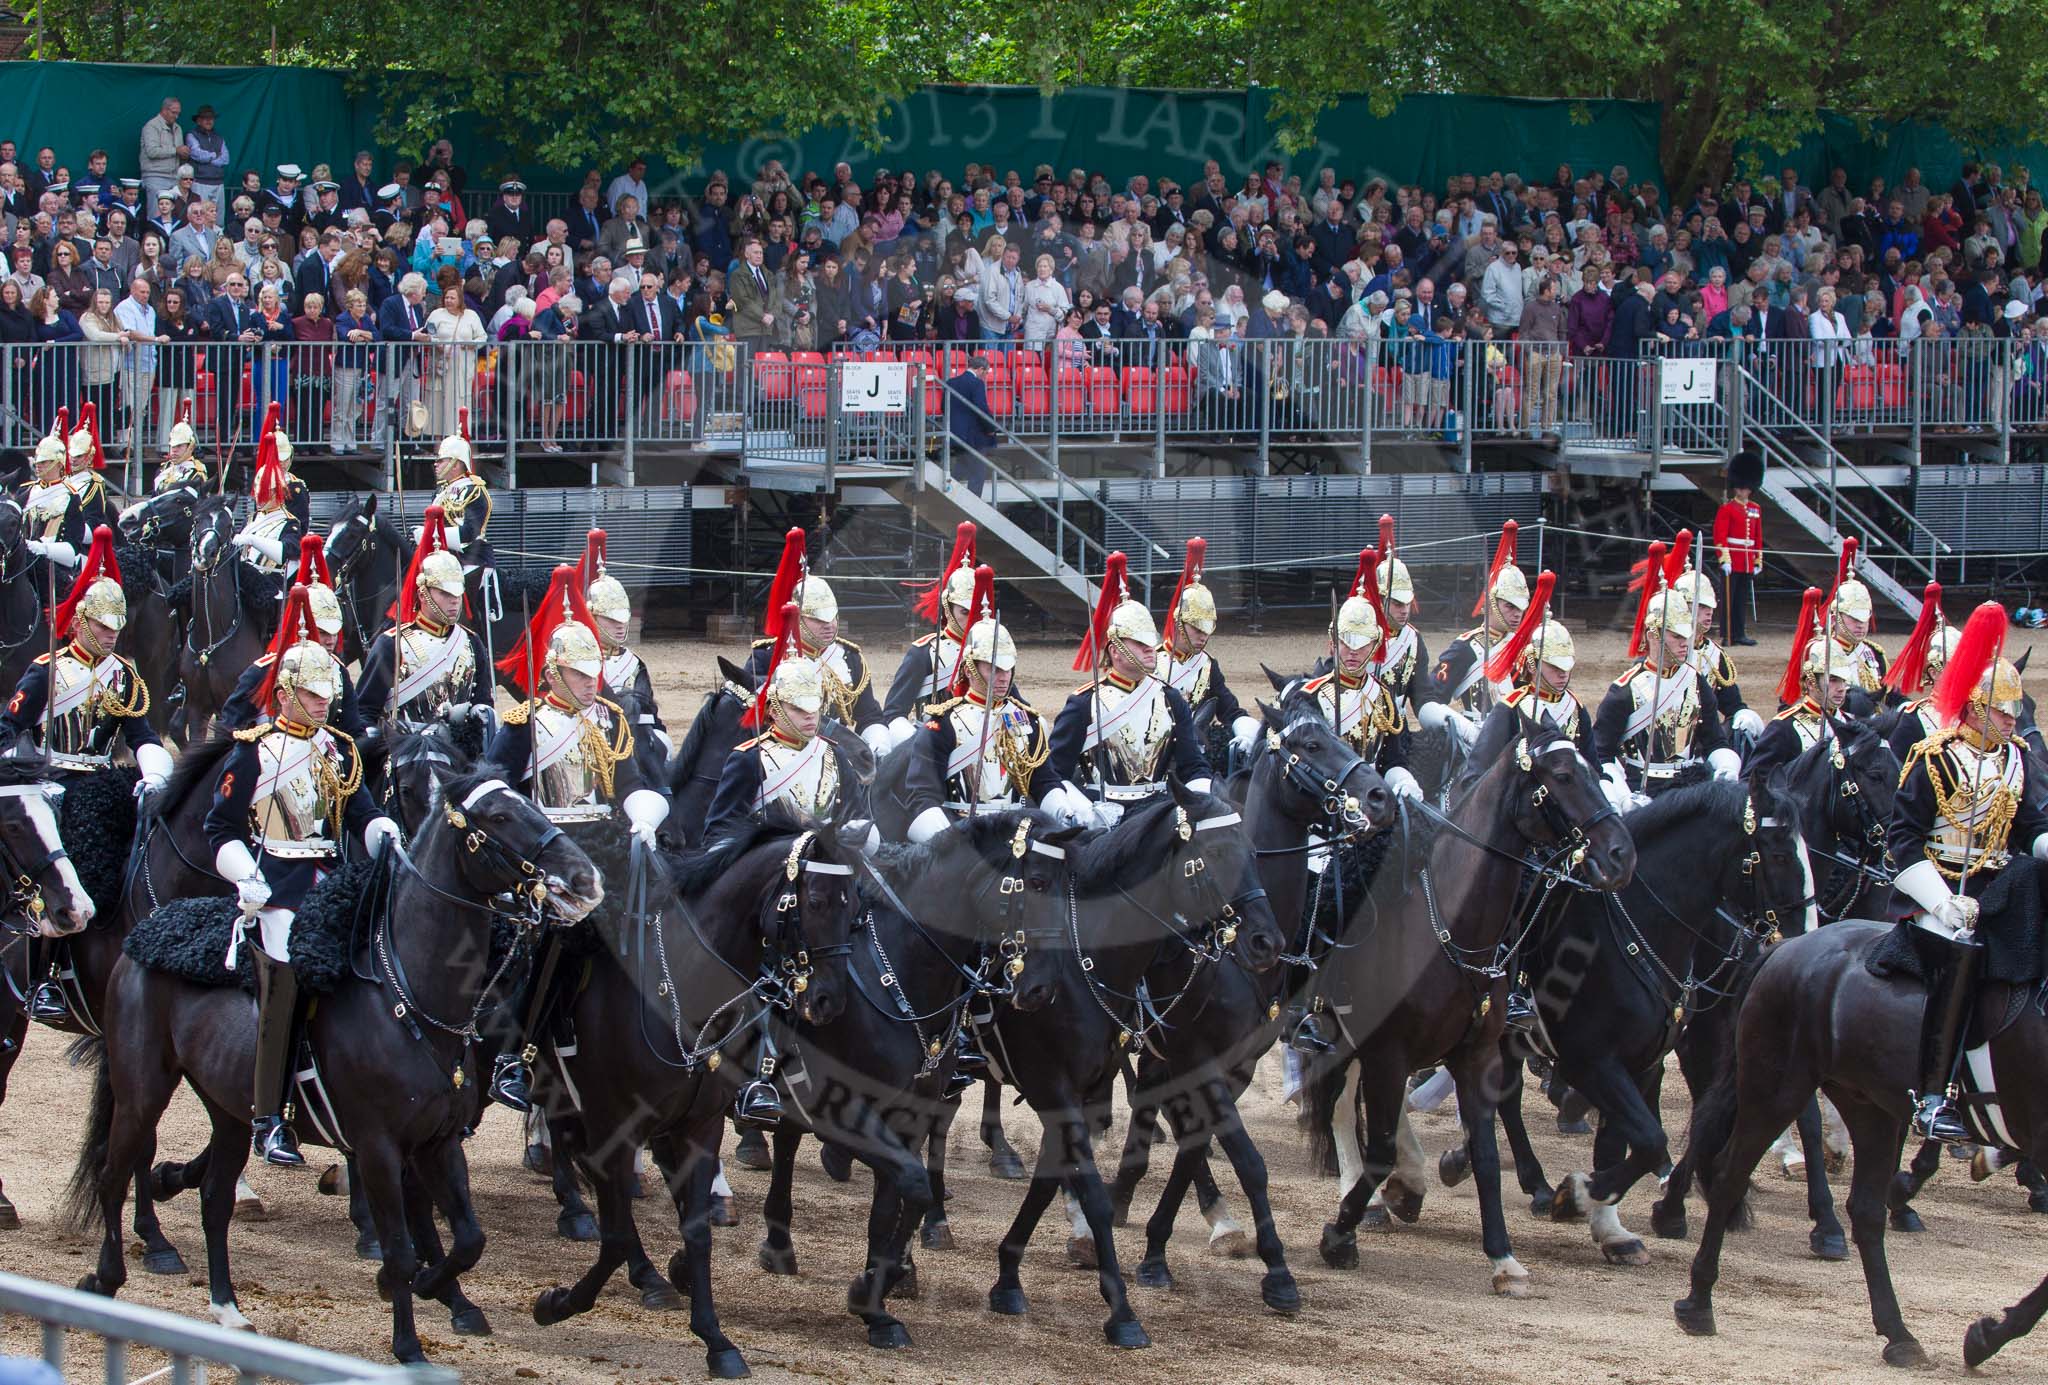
x=1454 y=1166
x=470 y=1322
x=660 y=1298
x=778 y=1259
x=1906 y=1353
x=1907 y=1220
x=1119 y=1212
x=165 y=1261
x=727 y=1364
x=10 y=1220
x=1510 y=1284
x=410 y=1356
x=752 y=1153
x=888 y=1336
x=679 y=1273
x=1406 y=1206
x=576 y=1226
x=1629 y=1252
x=1153 y=1273
x=1233 y=1244
x=1978 y=1346
x=1009 y=1302
x=368 y=1247
x=1004 y=1163
x=837 y=1162
x=722 y=1213
x=1081 y=1252
x=1828 y=1245
x=1339 y=1248
x=90 y=1284
x=251 y=1209
x=1376 y=1219
x=1280 y=1292
x=1569 y=1203
x=1542 y=1203
x=1693 y=1321
x=1669 y=1225
x=1125 y=1336
x=937 y=1236
x=552 y=1307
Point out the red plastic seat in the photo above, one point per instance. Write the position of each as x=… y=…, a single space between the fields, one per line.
x=1179 y=382
x=1073 y=391
x=772 y=375
x=1002 y=400
x=1105 y=392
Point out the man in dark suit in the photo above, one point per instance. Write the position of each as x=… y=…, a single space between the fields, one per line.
x=613 y=320
x=401 y=318
x=967 y=419
x=511 y=216
x=232 y=320
x=1633 y=325
x=655 y=322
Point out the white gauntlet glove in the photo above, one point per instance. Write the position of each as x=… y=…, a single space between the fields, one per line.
x=238 y=868
x=645 y=811
x=378 y=831
x=1725 y=763
x=1403 y=784
x=155 y=763
x=1747 y=721
x=1244 y=732
x=931 y=822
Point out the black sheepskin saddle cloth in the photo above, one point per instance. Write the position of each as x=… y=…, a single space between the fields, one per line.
x=2008 y=924
x=97 y=822
x=188 y=938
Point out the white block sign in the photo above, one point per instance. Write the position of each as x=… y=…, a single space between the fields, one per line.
x=1687 y=380
x=874 y=387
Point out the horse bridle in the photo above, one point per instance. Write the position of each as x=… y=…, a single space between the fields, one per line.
x=344 y=568
x=24 y=878
x=1338 y=807
x=202 y=574
x=8 y=573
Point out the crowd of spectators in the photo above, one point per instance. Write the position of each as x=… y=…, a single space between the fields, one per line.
x=176 y=246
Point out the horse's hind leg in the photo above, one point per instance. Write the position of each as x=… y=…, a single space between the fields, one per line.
x=1528 y=1168
x=1988 y=1335
x=1007 y=1296
x=612 y=1179
x=1827 y=1238
x=1002 y=1159
x=159 y=1256
x=368 y=1247
x=1122 y=1329
x=443 y=1178
x=901 y=1191
x=1139 y=1137
x=222 y=1164
x=12 y=1031
x=1752 y=1121
x=722 y=1359
x=1875 y=1138
x=574 y=1221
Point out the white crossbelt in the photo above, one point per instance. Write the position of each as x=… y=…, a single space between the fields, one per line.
x=429 y=672
x=1140 y=700
x=104 y=675
x=549 y=752
x=806 y=758
x=1669 y=697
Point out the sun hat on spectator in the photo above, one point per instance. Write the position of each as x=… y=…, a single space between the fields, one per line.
x=2015 y=310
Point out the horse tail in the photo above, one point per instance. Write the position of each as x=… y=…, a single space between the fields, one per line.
x=1321 y=1089
x=82 y=1194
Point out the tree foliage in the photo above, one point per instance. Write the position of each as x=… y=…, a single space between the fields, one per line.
x=587 y=79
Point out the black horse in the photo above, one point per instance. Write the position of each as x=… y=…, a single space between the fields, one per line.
x=755 y=927
x=1720 y=869
x=401 y=1087
x=1816 y=1017
x=974 y=917
x=160 y=526
x=230 y=617
x=1426 y=982
x=1303 y=783
x=1176 y=878
x=692 y=776
x=23 y=591
x=367 y=556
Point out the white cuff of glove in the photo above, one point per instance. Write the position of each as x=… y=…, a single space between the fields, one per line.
x=646 y=810
x=1747 y=721
x=234 y=862
x=931 y=822
x=1725 y=763
x=1922 y=883
x=1431 y=715
x=269 y=548
x=1069 y=805
x=1617 y=795
x=1403 y=784
x=1464 y=726
x=155 y=763
x=56 y=550
x=378 y=831
x=900 y=730
x=878 y=739
x=2040 y=847
x=1244 y=732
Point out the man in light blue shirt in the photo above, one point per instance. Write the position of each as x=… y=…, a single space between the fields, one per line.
x=139 y=327
x=633 y=180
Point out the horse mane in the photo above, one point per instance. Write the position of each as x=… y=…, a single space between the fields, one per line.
x=17 y=771
x=195 y=767
x=1124 y=852
x=1689 y=803
x=987 y=835
x=695 y=874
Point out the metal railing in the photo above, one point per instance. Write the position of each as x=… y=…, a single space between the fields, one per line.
x=191 y=1346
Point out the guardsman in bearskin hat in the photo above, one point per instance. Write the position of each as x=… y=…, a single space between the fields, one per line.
x=787 y=761
x=1464 y=692
x=1962 y=805
x=1657 y=718
x=182 y=465
x=242 y=708
x=269 y=542
x=842 y=670
x=925 y=677
x=1816 y=680
x=1187 y=666
x=569 y=748
x=980 y=750
x=1739 y=543
x=52 y=524
x=1538 y=659
x=1120 y=734
x=285 y=799
x=611 y=616
x=1847 y=618
x=1914 y=674
x=85 y=468
x=428 y=667
x=72 y=703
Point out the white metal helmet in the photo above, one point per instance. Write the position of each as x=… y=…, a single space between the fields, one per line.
x=1939 y=647
x=50 y=451
x=797 y=682
x=441 y=571
x=1825 y=658
x=1669 y=612
x=572 y=645
x=989 y=642
x=607 y=598
x=958 y=592
x=325 y=608
x=1511 y=587
x=1395 y=584
x=454 y=448
x=1132 y=623
x=1852 y=599
x=1552 y=644
x=1696 y=588
x=307 y=667
x=817 y=600
x=1358 y=625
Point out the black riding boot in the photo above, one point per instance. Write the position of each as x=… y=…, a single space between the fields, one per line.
x=277 y=997
x=1520 y=1012
x=46 y=1003
x=970 y=1064
x=1304 y=1030
x=512 y=1070
x=758 y=1103
x=1950 y=994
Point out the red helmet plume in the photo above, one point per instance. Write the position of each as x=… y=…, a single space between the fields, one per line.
x=1653 y=564
x=1911 y=665
x=564 y=601
x=930 y=601
x=295 y=625
x=433 y=539
x=313 y=561
x=89 y=423
x=1366 y=583
x=789 y=571
x=99 y=562
x=1802 y=635
x=1115 y=580
x=1503 y=556
x=1386 y=538
x=786 y=645
x=981 y=606
x=1976 y=650
x=1190 y=571
x=590 y=566
x=1502 y=662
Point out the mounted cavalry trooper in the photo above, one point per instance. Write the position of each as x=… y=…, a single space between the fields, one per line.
x=84 y=468
x=1915 y=672
x=842 y=671
x=1352 y=697
x=1847 y=620
x=1464 y=693
x=465 y=501
x=429 y=667
x=51 y=521
x=182 y=465
x=243 y=707
x=1655 y=721
x=931 y=665
x=1119 y=735
x=791 y=764
x=1404 y=659
x=1816 y=680
x=1962 y=801
x=1716 y=669
x=980 y=750
x=1538 y=659
x=269 y=542
x=571 y=750
x=1187 y=666
x=611 y=613
x=284 y=800
x=71 y=704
